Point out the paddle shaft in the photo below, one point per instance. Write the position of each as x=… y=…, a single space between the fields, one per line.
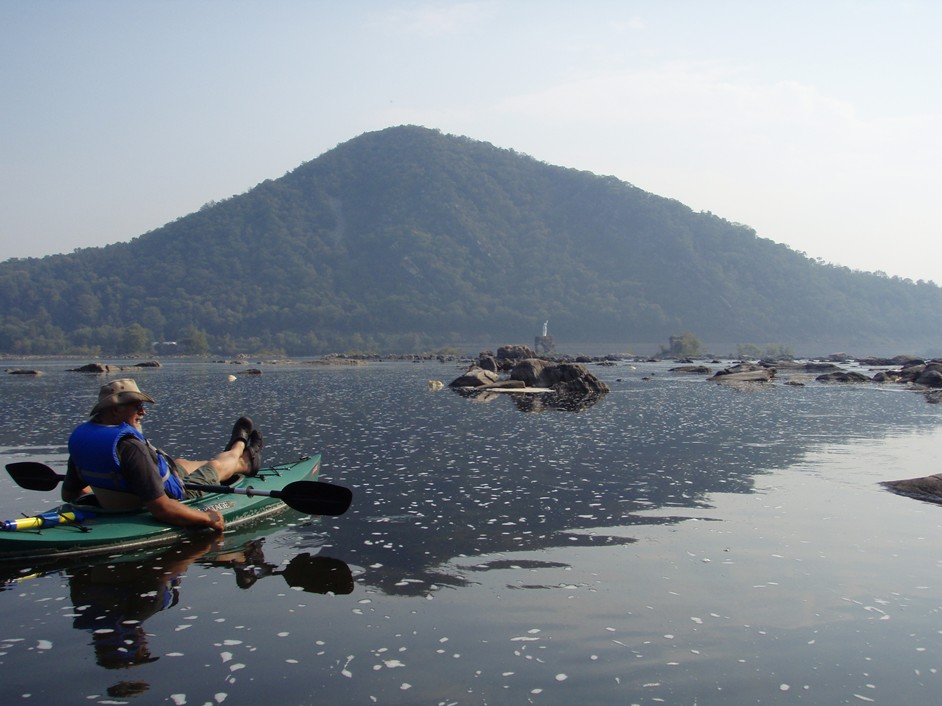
x=50 y=479
x=308 y=496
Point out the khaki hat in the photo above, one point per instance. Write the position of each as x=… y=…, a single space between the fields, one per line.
x=119 y=392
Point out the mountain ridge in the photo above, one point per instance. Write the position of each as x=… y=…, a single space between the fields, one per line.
x=406 y=239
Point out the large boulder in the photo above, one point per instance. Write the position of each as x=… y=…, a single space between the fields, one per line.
x=744 y=372
x=842 y=376
x=475 y=377
x=925 y=488
x=763 y=375
x=930 y=377
x=560 y=377
x=488 y=362
x=888 y=376
x=505 y=358
x=92 y=368
x=529 y=371
x=912 y=371
x=692 y=369
x=515 y=352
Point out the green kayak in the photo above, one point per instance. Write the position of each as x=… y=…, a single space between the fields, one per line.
x=76 y=529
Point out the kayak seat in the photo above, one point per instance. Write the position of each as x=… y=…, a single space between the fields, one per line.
x=116 y=500
x=90 y=501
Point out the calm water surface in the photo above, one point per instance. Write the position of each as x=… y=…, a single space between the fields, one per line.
x=673 y=542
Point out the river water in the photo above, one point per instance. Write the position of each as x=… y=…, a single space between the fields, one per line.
x=674 y=541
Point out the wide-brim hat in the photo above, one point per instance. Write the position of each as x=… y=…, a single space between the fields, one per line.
x=119 y=392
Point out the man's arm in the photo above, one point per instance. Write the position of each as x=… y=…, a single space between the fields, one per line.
x=73 y=487
x=173 y=512
x=140 y=471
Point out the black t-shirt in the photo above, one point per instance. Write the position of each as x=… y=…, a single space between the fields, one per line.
x=138 y=466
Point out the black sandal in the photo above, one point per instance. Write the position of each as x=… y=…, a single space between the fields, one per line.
x=241 y=431
x=254 y=449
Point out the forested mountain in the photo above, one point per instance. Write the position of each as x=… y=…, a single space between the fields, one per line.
x=407 y=239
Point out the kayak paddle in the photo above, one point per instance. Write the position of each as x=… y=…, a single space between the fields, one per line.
x=308 y=496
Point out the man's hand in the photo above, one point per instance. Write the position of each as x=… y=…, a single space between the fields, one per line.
x=173 y=512
x=217 y=522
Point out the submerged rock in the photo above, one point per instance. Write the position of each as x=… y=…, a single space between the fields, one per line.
x=925 y=488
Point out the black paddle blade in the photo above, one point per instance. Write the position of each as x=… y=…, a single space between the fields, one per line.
x=315 y=498
x=33 y=475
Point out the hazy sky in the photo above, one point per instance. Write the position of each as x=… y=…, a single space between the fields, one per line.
x=818 y=123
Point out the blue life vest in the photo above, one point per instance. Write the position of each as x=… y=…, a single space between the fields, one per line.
x=94 y=449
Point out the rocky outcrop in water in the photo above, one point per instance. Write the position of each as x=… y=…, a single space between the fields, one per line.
x=92 y=368
x=692 y=369
x=925 y=488
x=560 y=377
x=528 y=374
x=744 y=372
x=505 y=358
x=843 y=376
x=107 y=368
x=476 y=376
x=515 y=352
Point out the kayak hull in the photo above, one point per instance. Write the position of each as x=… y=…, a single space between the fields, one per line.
x=116 y=532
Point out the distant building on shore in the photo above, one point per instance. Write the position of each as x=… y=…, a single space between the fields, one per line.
x=544 y=343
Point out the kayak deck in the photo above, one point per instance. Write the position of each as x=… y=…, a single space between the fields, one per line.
x=108 y=531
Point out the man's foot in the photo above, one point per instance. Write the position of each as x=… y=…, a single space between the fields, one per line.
x=254 y=451
x=241 y=431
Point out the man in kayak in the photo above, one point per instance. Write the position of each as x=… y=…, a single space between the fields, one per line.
x=108 y=455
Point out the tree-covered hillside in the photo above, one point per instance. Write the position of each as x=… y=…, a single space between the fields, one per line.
x=408 y=239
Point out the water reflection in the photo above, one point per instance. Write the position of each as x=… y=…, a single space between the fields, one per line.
x=534 y=401
x=112 y=601
x=438 y=479
x=487 y=501
x=113 y=597
x=556 y=401
x=310 y=573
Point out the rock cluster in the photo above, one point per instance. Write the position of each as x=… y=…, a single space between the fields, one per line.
x=527 y=371
x=917 y=372
x=505 y=359
x=570 y=378
x=745 y=372
x=107 y=368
